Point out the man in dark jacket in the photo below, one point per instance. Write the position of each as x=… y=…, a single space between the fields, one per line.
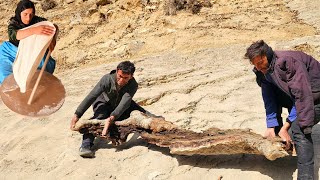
x=296 y=74
x=274 y=100
x=111 y=100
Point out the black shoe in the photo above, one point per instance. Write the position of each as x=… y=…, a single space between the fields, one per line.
x=86 y=152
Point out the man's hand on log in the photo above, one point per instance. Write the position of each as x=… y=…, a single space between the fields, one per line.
x=106 y=126
x=283 y=133
x=74 y=120
x=270 y=134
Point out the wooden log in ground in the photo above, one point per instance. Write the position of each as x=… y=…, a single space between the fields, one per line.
x=214 y=141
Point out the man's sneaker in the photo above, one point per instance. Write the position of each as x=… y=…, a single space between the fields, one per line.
x=86 y=152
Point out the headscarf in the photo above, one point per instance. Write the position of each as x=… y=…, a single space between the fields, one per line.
x=21 y=6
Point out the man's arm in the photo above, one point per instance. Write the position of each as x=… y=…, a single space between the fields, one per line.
x=123 y=105
x=125 y=100
x=73 y=122
x=292 y=115
x=101 y=86
x=284 y=135
x=270 y=103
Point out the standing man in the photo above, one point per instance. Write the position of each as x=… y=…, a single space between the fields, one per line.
x=111 y=100
x=298 y=75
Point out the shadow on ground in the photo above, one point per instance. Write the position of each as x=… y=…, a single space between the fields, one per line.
x=241 y=161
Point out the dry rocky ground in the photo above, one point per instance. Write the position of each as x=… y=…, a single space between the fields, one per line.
x=190 y=69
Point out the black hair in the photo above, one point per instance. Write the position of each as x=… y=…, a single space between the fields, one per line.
x=21 y=6
x=126 y=67
x=259 y=48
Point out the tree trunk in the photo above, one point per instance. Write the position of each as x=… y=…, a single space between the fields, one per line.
x=155 y=130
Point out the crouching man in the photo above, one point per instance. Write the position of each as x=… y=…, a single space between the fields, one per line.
x=111 y=100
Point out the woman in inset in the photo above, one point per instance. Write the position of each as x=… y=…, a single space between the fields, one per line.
x=24 y=17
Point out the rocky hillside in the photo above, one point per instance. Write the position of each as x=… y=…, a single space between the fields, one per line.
x=94 y=32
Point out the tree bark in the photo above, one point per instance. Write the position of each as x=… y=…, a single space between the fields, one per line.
x=214 y=141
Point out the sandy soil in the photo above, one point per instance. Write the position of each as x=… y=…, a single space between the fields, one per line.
x=190 y=69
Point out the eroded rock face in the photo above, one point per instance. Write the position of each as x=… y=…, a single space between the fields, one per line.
x=214 y=141
x=48 y=4
x=170 y=7
x=91 y=23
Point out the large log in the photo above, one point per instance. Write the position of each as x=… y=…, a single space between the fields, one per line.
x=214 y=141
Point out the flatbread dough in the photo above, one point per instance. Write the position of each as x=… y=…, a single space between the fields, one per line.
x=29 y=55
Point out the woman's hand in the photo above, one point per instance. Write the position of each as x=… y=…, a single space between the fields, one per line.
x=40 y=30
x=43 y=30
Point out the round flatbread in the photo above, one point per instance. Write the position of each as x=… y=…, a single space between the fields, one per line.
x=48 y=97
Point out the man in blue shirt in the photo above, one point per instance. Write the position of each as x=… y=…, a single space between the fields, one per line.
x=274 y=100
x=296 y=74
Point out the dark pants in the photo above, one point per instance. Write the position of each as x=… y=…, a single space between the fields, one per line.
x=102 y=110
x=303 y=143
x=316 y=147
x=305 y=150
x=304 y=147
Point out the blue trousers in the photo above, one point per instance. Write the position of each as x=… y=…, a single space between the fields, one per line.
x=8 y=53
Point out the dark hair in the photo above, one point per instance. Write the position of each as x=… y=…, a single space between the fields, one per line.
x=21 y=6
x=258 y=48
x=126 y=67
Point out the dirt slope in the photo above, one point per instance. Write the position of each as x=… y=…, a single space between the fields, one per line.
x=190 y=69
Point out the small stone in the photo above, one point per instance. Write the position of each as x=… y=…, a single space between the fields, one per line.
x=69 y=1
x=48 y=4
x=91 y=11
x=103 y=2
